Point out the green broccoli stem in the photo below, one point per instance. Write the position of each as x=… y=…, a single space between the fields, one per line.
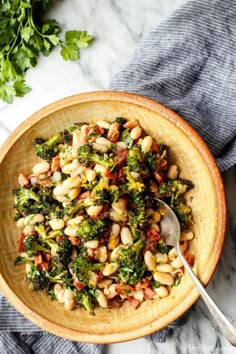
x=132 y=184
x=53 y=140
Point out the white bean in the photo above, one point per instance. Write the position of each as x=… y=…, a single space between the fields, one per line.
x=176 y=263
x=102 y=254
x=135 y=175
x=136 y=132
x=115 y=230
x=162 y=291
x=71 y=230
x=186 y=235
x=90 y=174
x=103 y=141
x=103 y=124
x=172 y=254
x=111 y=291
x=138 y=295
x=100 y=169
x=118 y=217
x=76 y=220
x=69 y=300
x=91 y=244
x=27 y=230
x=70 y=167
x=57 y=224
x=161 y=258
x=60 y=190
x=165 y=268
x=146 y=144
x=100 y=147
x=163 y=278
x=20 y=223
x=150 y=260
x=61 y=296
x=94 y=210
x=33 y=219
x=121 y=145
x=131 y=124
x=71 y=182
x=119 y=206
x=173 y=172
x=104 y=283
x=78 y=139
x=113 y=242
x=101 y=298
x=41 y=167
x=126 y=236
x=73 y=193
x=116 y=252
x=110 y=268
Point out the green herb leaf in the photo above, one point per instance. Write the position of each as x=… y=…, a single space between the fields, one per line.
x=23 y=36
x=21 y=88
x=70 y=52
x=7 y=92
x=26 y=33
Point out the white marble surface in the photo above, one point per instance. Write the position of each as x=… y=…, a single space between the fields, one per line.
x=118 y=26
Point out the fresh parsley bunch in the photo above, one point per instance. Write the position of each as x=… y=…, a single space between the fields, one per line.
x=23 y=36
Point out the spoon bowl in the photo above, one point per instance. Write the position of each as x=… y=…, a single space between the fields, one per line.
x=170 y=231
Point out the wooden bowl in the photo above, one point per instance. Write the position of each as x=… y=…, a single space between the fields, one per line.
x=207 y=201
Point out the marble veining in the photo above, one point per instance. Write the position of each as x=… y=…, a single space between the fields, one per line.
x=118 y=25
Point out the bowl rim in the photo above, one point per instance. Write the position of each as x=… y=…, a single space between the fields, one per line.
x=194 y=137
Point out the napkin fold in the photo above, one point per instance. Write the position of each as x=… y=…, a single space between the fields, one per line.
x=188 y=63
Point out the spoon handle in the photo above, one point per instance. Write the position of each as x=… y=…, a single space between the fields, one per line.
x=228 y=330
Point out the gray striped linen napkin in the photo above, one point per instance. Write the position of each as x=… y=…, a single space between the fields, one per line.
x=187 y=63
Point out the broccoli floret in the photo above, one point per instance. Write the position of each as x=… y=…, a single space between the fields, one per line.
x=84 y=298
x=90 y=229
x=162 y=247
x=84 y=269
x=38 y=277
x=125 y=136
x=54 y=247
x=75 y=207
x=137 y=222
x=132 y=184
x=64 y=252
x=67 y=134
x=173 y=188
x=135 y=160
x=26 y=200
x=131 y=267
x=82 y=264
x=151 y=160
x=183 y=212
x=40 y=229
x=32 y=246
x=100 y=193
x=121 y=120
x=34 y=200
x=46 y=150
x=87 y=155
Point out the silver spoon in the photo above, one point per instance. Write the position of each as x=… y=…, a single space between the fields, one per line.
x=170 y=231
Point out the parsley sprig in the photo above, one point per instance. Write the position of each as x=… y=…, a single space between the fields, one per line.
x=23 y=36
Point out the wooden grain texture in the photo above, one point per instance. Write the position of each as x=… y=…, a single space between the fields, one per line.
x=207 y=201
